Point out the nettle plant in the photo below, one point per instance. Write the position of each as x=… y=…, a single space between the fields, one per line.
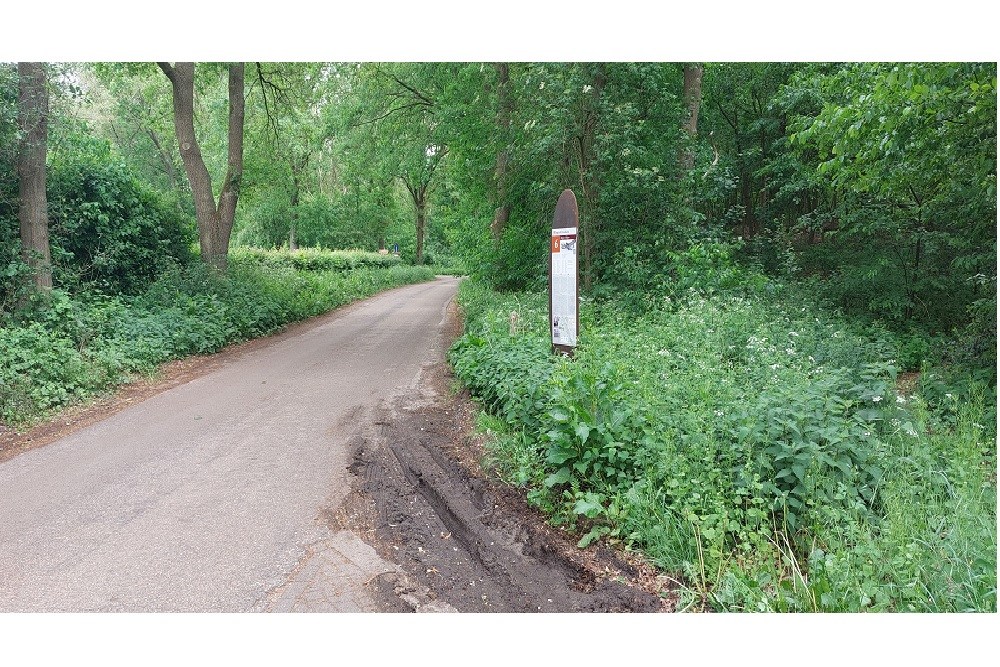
x=811 y=445
x=593 y=437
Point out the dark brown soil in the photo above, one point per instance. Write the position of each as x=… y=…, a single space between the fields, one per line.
x=470 y=540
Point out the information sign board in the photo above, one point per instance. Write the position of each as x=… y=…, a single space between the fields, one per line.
x=564 y=317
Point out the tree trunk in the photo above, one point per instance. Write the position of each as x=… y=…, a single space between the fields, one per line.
x=692 y=102
x=505 y=112
x=168 y=164
x=746 y=200
x=215 y=222
x=421 y=206
x=293 y=211
x=588 y=221
x=32 y=120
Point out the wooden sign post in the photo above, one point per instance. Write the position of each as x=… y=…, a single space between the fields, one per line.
x=564 y=310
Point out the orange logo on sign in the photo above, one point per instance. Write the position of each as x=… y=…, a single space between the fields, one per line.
x=555 y=244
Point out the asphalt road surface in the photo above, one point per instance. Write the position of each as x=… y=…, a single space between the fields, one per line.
x=210 y=496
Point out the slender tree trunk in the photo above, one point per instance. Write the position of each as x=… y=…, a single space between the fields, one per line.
x=294 y=212
x=32 y=120
x=746 y=200
x=692 y=103
x=168 y=164
x=421 y=205
x=589 y=223
x=215 y=222
x=505 y=112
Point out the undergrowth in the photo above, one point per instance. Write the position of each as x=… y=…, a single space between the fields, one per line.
x=752 y=441
x=61 y=348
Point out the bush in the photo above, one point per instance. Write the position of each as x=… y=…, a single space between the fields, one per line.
x=311 y=259
x=108 y=229
x=742 y=439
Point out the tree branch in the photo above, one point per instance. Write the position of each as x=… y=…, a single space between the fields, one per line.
x=423 y=99
x=387 y=114
x=168 y=69
x=276 y=91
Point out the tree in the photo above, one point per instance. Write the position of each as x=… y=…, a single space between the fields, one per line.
x=505 y=110
x=744 y=118
x=33 y=113
x=215 y=220
x=397 y=129
x=692 y=102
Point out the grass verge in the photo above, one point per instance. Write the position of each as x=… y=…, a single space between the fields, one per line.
x=62 y=348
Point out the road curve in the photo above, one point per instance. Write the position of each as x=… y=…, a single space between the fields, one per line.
x=207 y=497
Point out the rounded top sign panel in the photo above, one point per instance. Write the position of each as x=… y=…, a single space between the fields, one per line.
x=567 y=213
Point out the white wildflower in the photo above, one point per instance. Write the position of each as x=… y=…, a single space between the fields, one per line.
x=876 y=399
x=901 y=400
x=587 y=88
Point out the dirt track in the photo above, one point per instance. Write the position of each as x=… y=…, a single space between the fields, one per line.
x=325 y=469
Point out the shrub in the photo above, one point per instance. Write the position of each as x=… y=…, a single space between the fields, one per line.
x=747 y=439
x=108 y=229
x=312 y=259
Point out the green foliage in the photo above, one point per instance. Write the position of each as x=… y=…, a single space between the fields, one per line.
x=107 y=228
x=747 y=439
x=311 y=259
x=62 y=348
x=911 y=150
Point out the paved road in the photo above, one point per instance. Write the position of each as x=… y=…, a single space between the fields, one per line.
x=209 y=497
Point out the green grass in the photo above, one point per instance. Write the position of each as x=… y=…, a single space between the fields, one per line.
x=752 y=442
x=65 y=348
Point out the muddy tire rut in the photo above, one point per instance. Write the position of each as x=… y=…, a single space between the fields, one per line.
x=464 y=541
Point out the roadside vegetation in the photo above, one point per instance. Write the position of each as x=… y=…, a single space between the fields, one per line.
x=785 y=388
x=64 y=347
x=766 y=450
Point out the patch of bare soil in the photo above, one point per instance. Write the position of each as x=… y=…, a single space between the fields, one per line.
x=465 y=540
